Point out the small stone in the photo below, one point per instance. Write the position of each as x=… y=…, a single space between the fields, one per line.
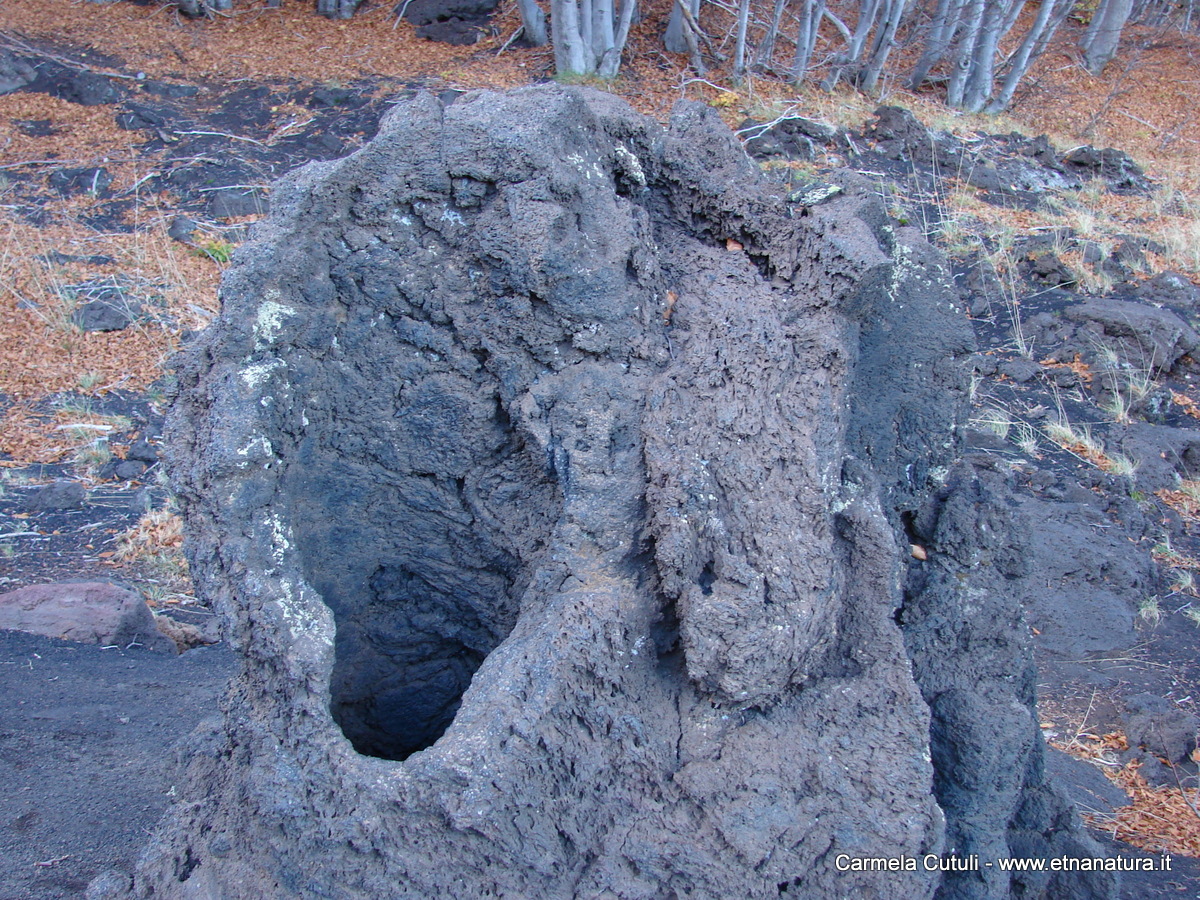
x=143 y=451
x=15 y=73
x=1170 y=287
x=90 y=180
x=184 y=634
x=110 y=885
x=60 y=495
x=1160 y=727
x=1020 y=369
x=232 y=202
x=129 y=469
x=182 y=229
x=812 y=194
x=84 y=88
x=102 y=315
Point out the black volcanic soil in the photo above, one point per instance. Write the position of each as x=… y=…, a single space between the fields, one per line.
x=87 y=753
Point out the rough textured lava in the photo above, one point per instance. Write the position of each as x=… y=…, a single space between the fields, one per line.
x=556 y=475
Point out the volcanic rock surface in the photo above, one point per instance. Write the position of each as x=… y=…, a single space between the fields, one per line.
x=557 y=477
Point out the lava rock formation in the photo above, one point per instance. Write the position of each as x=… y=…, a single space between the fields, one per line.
x=557 y=478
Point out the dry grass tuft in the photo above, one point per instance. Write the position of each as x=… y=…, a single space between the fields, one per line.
x=158 y=532
x=154 y=548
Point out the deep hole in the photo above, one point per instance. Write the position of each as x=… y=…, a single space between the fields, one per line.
x=707 y=579
x=420 y=531
x=418 y=659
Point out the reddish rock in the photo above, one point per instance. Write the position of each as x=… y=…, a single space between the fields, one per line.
x=90 y=612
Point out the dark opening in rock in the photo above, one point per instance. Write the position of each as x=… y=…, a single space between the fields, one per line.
x=417 y=608
x=420 y=549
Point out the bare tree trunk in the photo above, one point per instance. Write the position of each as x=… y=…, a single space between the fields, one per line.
x=589 y=35
x=1104 y=34
x=885 y=39
x=586 y=22
x=675 y=39
x=330 y=9
x=965 y=54
x=1010 y=17
x=533 y=20
x=978 y=89
x=739 y=52
x=941 y=34
x=692 y=33
x=610 y=62
x=570 y=52
x=811 y=12
x=868 y=11
x=1049 y=17
x=766 y=49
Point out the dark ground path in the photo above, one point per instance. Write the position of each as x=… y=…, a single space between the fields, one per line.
x=86 y=754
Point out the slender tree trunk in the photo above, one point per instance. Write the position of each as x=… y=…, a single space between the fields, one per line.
x=978 y=89
x=941 y=34
x=766 y=49
x=965 y=54
x=589 y=35
x=604 y=36
x=811 y=12
x=330 y=9
x=1014 y=13
x=675 y=39
x=533 y=20
x=610 y=62
x=885 y=39
x=739 y=52
x=570 y=52
x=1049 y=17
x=868 y=11
x=586 y=21
x=1104 y=34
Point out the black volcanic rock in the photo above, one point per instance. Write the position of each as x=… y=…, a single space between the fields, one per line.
x=557 y=477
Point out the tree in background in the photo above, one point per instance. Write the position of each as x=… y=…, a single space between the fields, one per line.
x=965 y=36
x=533 y=23
x=590 y=35
x=1100 y=42
x=979 y=50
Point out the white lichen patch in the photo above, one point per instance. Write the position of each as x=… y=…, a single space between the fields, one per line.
x=280 y=541
x=254 y=375
x=302 y=616
x=268 y=323
x=588 y=168
x=814 y=194
x=632 y=165
x=257 y=450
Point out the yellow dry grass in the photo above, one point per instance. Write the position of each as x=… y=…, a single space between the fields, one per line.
x=158 y=531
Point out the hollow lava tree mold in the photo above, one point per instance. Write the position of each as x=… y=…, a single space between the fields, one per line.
x=551 y=469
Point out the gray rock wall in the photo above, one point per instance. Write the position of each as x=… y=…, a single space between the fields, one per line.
x=552 y=472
